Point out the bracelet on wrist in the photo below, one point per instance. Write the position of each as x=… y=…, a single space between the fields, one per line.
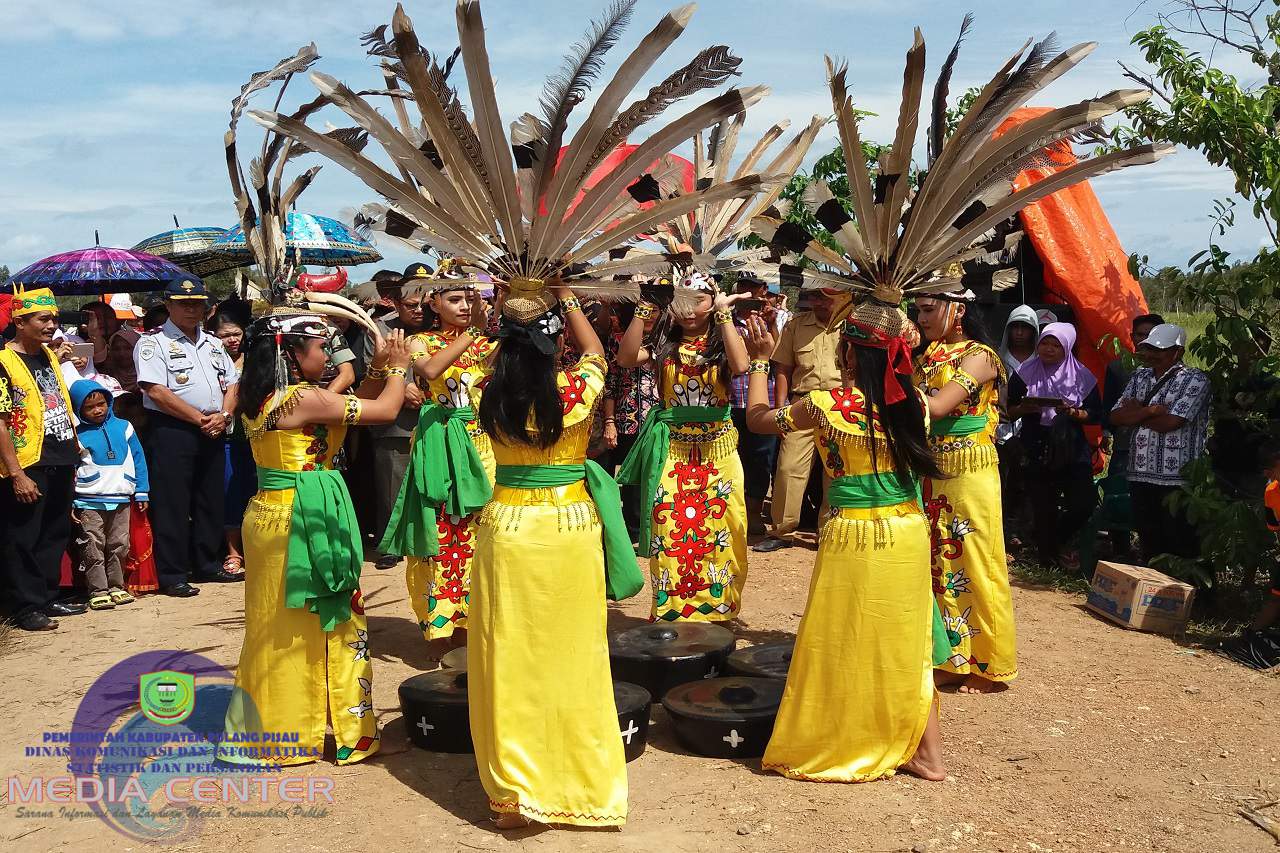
x=645 y=311
x=397 y=371
x=377 y=372
x=721 y=317
x=570 y=303
x=758 y=365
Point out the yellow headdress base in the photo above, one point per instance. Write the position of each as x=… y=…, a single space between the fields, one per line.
x=27 y=302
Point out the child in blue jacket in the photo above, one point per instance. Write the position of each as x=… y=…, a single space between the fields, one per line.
x=112 y=474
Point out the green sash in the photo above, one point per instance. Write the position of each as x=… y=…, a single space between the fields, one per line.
x=322 y=565
x=445 y=472
x=866 y=491
x=648 y=455
x=958 y=425
x=622 y=578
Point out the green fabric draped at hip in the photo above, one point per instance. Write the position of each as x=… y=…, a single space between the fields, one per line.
x=869 y=491
x=643 y=465
x=958 y=425
x=622 y=578
x=445 y=472
x=322 y=565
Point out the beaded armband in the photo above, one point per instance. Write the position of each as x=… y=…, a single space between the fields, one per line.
x=784 y=421
x=397 y=371
x=570 y=303
x=758 y=365
x=377 y=372
x=722 y=317
x=646 y=310
x=965 y=381
x=351 y=415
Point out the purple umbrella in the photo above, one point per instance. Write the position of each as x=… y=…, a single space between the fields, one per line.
x=91 y=272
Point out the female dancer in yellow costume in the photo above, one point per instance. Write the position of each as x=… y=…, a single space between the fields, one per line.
x=962 y=377
x=450 y=473
x=305 y=661
x=539 y=689
x=859 y=701
x=685 y=459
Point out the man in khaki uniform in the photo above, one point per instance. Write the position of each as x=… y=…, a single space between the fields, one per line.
x=805 y=360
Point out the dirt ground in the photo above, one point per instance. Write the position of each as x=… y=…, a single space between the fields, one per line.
x=1109 y=740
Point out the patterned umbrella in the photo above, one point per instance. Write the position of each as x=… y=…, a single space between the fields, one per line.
x=92 y=272
x=189 y=249
x=319 y=240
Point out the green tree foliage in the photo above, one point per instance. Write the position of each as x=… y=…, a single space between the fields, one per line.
x=1233 y=123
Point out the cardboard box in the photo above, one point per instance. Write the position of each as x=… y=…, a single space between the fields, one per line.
x=1140 y=598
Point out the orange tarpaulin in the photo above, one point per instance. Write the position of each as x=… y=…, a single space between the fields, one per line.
x=1084 y=263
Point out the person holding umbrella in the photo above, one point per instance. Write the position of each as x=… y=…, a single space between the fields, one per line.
x=188 y=384
x=38 y=457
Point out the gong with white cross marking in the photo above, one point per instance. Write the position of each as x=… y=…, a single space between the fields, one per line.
x=435 y=710
x=725 y=717
x=633 y=704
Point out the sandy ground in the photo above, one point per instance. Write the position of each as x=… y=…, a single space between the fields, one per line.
x=1110 y=740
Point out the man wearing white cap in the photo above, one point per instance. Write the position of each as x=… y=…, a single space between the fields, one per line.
x=1167 y=405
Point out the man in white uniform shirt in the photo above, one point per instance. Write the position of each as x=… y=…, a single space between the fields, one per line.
x=188 y=384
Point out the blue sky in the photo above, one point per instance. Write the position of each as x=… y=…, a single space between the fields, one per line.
x=114 y=113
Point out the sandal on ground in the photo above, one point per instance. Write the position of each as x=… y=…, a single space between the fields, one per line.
x=233 y=565
x=120 y=596
x=101 y=602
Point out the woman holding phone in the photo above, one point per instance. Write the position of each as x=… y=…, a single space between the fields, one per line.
x=1054 y=396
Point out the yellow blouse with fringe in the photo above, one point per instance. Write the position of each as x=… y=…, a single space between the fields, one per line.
x=939 y=365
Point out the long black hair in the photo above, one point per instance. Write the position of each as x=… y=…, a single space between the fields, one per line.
x=523 y=382
x=258 y=374
x=903 y=422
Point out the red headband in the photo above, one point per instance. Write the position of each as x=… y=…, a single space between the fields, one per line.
x=897 y=348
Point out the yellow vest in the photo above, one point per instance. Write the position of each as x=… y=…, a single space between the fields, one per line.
x=26 y=422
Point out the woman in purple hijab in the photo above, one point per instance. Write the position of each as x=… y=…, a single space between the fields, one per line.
x=1054 y=396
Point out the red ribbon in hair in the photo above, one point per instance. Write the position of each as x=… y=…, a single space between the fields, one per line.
x=899 y=363
x=897 y=348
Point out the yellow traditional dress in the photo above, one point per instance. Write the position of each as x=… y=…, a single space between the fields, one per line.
x=440 y=586
x=860 y=685
x=698 y=520
x=970 y=572
x=294 y=677
x=540 y=692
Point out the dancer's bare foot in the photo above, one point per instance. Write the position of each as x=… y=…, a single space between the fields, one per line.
x=921 y=769
x=438 y=648
x=927 y=762
x=944 y=678
x=511 y=820
x=976 y=684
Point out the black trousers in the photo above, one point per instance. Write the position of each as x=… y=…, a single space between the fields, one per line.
x=1161 y=531
x=35 y=537
x=758 y=453
x=187 y=471
x=1061 y=503
x=610 y=461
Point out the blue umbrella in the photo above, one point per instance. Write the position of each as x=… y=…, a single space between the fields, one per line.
x=319 y=240
x=189 y=249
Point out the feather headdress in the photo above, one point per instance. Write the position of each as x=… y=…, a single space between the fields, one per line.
x=519 y=207
x=895 y=238
x=263 y=200
x=705 y=239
